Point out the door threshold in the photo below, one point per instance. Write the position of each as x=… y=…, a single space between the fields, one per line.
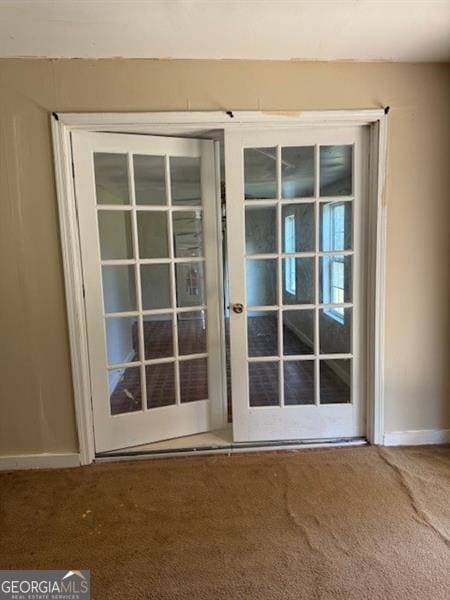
x=232 y=448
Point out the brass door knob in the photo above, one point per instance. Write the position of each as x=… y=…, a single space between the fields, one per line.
x=238 y=308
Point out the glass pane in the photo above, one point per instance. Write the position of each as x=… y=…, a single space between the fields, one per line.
x=263 y=384
x=261 y=282
x=297 y=171
x=335 y=329
x=115 y=234
x=152 y=234
x=185 y=180
x=299 y=382
x=192 y=332
x=122 y=340
x=336 y=170
x=335 y=279
x=262 y=333
x=298 y=228
x=335 y=378
x=119 y=288
x=298 y=280
x=125 y=390
x=188 y=233
x=194 y=380
x=298 y=332
x=149 y=180
x=335 y=226
x=260 y=173
x=111 y=178
x=260 y=230
x=190 y=284
x=160 y=381
x=158 y=336
x=155 y=284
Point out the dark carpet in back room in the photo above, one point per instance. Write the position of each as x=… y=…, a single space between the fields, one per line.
x=351 y=524
x=193 y=374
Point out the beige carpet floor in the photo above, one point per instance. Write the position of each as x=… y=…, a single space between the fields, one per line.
x=351 y=524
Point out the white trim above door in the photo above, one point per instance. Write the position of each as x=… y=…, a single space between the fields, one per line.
x=147 y=212
x=191 y=124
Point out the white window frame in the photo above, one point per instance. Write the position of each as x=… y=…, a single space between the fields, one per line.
x=290 y=283
x=182 y=123
x=334 y=312
x=327 y=275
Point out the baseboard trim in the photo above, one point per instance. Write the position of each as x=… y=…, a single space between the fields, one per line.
x=16 y=462
x=417 y=437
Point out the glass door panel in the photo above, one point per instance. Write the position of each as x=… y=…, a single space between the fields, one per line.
x=299 y=382
x=264 y=384
x=111 y=178
x=298 y=280
x=161 y=384
x=190 y=284
x=262 y=332
x=125 y=390
x=298 y=229
x=185 y=178
x=193 y=380
x=119 y=288
x=261 y=230
x=152 y=233
x=261 y=280
x=188 y=233
x=115 y=234
x=156 y=287
x=150 y=180
x=122 y=339
x=192 y=332
x=297 y=171
x=158 y=335
x=335 y=381
x=261 y=174
x=336 y=170
x=298 y=332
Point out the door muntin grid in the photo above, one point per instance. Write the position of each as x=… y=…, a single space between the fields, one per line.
x=160 y=263
x=324 y=318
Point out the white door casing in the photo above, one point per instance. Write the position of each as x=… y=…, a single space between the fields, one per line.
x=277 y=420
x=144 y=424
x=65 y=125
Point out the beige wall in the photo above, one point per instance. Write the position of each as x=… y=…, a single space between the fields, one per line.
x=36 y=399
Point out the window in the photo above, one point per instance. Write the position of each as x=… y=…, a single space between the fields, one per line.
x=289 y=246
x=333 y=274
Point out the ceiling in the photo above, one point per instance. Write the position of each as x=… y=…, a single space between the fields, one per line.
x=398 y=30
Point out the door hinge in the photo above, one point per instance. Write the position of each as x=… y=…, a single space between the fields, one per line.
x=83 y=291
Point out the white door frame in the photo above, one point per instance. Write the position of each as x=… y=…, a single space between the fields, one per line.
x=191 y=123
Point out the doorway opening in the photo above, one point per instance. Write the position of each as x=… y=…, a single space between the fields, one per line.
x=228 y=284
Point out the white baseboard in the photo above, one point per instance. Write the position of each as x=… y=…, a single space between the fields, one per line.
x=417 y=438
x=15 y=462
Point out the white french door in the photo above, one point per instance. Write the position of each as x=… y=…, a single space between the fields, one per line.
x=149 y=236
x=297 y=223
